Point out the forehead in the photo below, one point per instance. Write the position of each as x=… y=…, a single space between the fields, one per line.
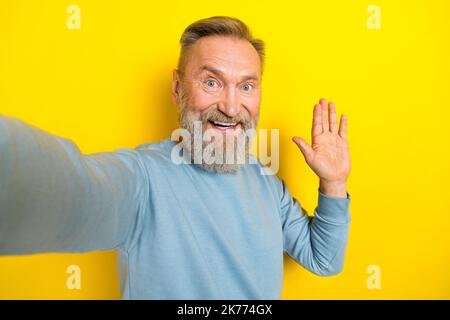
x=230 y=55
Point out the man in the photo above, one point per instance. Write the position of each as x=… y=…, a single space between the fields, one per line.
x=182 y=231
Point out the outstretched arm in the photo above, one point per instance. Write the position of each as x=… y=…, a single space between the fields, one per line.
x=54 y=199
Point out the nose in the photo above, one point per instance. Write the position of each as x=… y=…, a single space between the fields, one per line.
x=230 y=104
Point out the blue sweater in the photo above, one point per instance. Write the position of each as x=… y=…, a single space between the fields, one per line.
x=180 y=232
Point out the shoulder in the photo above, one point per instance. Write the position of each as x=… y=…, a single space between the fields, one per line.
x=158 y=150
x=160 y=147
x=157 y=156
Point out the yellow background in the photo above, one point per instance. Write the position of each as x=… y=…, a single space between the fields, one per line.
x=107 y=86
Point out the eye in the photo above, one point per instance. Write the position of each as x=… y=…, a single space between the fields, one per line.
x=247 y=87
x=211 y=83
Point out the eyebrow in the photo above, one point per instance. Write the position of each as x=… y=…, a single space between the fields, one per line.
x=220 y=73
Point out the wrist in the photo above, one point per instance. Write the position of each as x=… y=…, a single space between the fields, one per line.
x=333 y=188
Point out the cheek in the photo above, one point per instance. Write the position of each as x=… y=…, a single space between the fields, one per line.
x=199 y=100
x=252 y=105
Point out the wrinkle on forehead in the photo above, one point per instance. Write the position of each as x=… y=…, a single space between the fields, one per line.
x=235 y=58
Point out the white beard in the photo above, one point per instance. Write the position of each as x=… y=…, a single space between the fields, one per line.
x=214 y=151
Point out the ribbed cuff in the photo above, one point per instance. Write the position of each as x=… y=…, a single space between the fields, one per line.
x=333 y=209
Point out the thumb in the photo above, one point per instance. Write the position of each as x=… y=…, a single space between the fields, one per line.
x=305 y=148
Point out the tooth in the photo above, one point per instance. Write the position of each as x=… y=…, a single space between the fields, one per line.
x=225 y=123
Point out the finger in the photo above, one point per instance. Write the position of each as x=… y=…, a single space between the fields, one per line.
x=305 y=148
x=317 y=120
x=343 y=127
x=325 y=124
x=333 y=118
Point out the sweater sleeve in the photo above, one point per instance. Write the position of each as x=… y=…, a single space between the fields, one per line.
x=55 y=199
x=317 y=243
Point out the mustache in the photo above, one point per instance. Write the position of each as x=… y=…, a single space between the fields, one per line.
x=216 y=115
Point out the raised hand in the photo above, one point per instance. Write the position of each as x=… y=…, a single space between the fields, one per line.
x=328 y=156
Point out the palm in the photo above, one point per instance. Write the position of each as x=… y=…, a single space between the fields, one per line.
x=328 y=156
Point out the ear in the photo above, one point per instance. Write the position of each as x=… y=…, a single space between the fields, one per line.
x=176 y=88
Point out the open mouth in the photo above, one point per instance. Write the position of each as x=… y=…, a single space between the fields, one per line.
x=223 y=125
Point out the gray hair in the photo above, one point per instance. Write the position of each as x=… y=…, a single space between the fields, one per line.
x=219 y=26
